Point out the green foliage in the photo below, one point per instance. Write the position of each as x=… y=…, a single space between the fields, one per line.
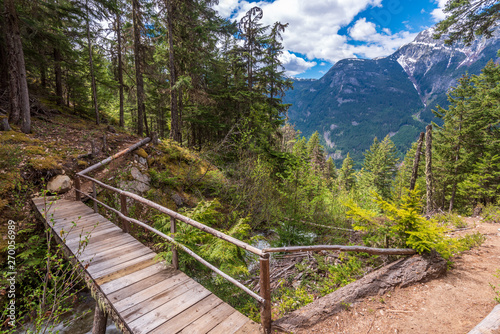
x=380 y=165
x=401 y=225
x=450 y=218
x=341 y=275
x=491 y=213
x=290 y=299
x=496 y=288
x=467 y=144
x=346 y=177
x=466 y=20
x=47 y=285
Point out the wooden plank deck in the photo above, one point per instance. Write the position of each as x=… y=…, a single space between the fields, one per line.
x=147 y=296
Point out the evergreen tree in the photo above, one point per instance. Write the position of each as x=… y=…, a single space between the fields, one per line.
x=346 y=176
x=468 y=19
x=380 y=165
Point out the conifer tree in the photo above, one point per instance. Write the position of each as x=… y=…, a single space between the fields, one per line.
x=380 y=165
x=346 y=176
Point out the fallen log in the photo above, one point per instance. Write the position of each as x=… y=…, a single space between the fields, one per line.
x=401 y=273
x=490 y=324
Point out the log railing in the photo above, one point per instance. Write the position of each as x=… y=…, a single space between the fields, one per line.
x=264 y=282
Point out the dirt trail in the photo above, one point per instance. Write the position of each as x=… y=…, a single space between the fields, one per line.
x=454 y=303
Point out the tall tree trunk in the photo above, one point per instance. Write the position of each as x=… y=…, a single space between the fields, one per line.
x=43 y=75
x=414 y=172
x=428 y=167
x=120 y=66
x=91 y=65
x=19 y=95
x=455 y=172
x=58 y=75
x=175 y=131
x=138 y=66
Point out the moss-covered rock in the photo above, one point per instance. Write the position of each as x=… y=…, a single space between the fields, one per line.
x=140 y=152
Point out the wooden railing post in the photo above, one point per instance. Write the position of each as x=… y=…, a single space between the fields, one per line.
x=175 y=255
x=265 y=292
x=123 y=207
x=78 y=188
x=94 y=190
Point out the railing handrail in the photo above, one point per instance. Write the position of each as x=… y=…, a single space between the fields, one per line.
x=163 y=209
x=265 y=290
x=179 y=245
x=360 y=249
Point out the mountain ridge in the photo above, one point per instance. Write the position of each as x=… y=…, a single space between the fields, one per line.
x=359 y=99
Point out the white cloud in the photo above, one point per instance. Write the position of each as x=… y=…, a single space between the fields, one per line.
x=376 y=44
x=295 y=65
x=438 y=13
x=314 y=26
x=227 y=7
x=362 y=30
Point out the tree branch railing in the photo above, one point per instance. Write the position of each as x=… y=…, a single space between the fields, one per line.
x=264 y=282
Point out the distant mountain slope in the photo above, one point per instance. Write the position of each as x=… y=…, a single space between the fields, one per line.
x=359 y=99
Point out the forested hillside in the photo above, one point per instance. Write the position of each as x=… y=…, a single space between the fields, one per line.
x=82 y=80
x=359 y=99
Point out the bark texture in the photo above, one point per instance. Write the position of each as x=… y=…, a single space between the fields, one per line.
x=120 y=66
x=175 y=126
x=414 y=173
x=19 y=96
x=91 y=65
x=138 y=66
x=401 y=273
x=428 y=167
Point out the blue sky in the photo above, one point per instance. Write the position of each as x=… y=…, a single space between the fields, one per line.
x=321 y=32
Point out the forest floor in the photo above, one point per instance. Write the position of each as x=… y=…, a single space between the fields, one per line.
x=454 y=303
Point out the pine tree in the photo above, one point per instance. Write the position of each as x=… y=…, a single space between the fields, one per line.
x=380 y=165
x=346 y=176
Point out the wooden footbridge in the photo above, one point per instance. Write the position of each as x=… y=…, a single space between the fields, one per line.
x=143 y=295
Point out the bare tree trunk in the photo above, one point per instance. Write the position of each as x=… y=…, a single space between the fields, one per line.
x=91 y=65
x=58 y=75
x=138 y=66
x=175 y=132
x=455 y=172
x=19 y=97
x=120 y=66
x=414 y=173
x=428 y=167
x=146 y=122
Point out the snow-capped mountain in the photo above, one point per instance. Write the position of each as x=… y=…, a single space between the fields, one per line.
x=359 y=99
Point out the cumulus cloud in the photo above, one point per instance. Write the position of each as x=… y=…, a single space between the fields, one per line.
x=295 y=65
x=376 y=44
x=438 y=13
x=314 y=26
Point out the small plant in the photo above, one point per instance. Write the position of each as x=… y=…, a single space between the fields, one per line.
x=491 y=214
x=342 y=274
x=496 y=288
x=53 y=283
x=290 y=299
x=451 y=219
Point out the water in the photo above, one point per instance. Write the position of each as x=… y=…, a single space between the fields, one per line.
x=84 y=324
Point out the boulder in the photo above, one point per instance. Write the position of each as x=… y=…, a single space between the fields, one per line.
x=138 y=176
x=59 y=184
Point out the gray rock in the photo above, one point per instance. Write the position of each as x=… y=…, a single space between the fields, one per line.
x=59 y=184
x=134 y=186
x=137 y=175
x=177 y=199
